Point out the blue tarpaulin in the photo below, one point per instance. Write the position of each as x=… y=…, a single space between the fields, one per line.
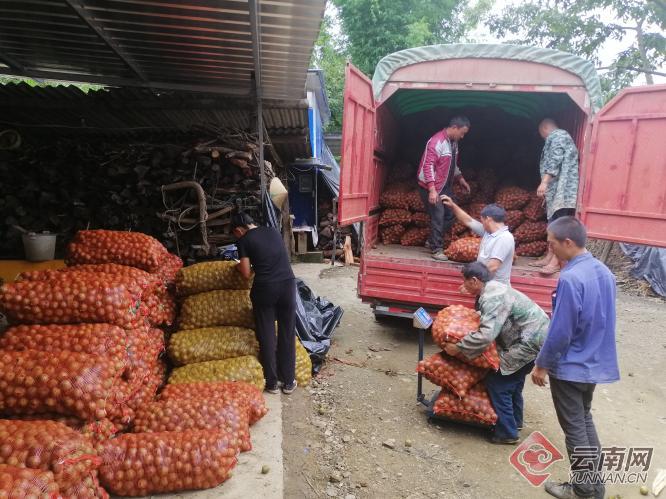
x=649 y=264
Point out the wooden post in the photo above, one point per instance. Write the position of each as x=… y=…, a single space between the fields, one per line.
x=302 y=243
x=349 y=255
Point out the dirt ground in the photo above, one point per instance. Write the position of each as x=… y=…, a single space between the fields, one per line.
x=365 y=396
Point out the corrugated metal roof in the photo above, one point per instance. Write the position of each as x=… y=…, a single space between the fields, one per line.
x=203 y=45
x=119 y=111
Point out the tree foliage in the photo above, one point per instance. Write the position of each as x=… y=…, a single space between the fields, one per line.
x=579 y=27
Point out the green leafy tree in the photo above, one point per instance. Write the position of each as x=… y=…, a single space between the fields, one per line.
x=578 y=26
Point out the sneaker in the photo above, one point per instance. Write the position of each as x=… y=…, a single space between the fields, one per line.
x=440 y=256
x=503 y=441
x=289 y=389
x=562 y=490
x=272 y=388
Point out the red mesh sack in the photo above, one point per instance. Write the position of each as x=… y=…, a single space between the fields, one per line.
x=73 y=298
x=95 y=339
x=203 y=413
x=464 y=250
x=161 y=307
x=475 y=407
x=421 y=219
x=392 y=234
x=513 y=219
x=47 y=446
x=108 y=246
x=394 y=216
x=68 y=383
x=395 y=196
x=535 y=209
x=512 y=198
x=415 y=237
x=448 y=372
x=535 y=248
x=455 y=322
x=88 y=488
x=475 y=210
x=140 y=464
x=531 y=231
x=153 y=379
x=22 y=483
x=414 y=201
x=168 y=269
x=460 y=194
x=226 y=389
x=458 y=228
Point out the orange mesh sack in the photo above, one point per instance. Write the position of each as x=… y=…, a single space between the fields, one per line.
x=394 y=216
x=464 y=250
x=475 y=407
x=160 y=306
x=21 y=483
x=535 y=209
x=95 y=339
x=108 y=246
x=421 y=219
x=448 y=372
x=140 y=464
x=47 y=446
x=68 y=383
x=414 y=201
x=168 y=269
x=215 y=343
x=392 y=234
x=217 y=308
x=203 y=413
x=512 y=198
x=247 y=369
x=209 y=276
x=395 y=196
x=415 y=237
x=235 y=390
x=535 y=248
x=153 y=378
x=513 y=219
x=455 y=322
x=74 y=298
x=88 y=488
x=530 y=232
x=458 y=228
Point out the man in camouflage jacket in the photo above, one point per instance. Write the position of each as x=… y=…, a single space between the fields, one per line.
x=519 y=327
x=558 y=168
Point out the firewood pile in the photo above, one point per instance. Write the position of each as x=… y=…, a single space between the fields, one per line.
x=327 y=226
x=63 y=184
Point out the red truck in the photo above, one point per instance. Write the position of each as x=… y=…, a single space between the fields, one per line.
x=622 y=192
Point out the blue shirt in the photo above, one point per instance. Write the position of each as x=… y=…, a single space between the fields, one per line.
x=580 y=345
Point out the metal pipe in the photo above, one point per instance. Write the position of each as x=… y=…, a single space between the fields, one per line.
x=419 y=379
x=255 y=28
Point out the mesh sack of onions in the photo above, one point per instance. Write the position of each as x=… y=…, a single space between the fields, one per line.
x=21 y=483
x=448 y=372
x=530 y=232
x=229 y=390
x=203 y=413
x=68 y=383
x=215 y=343
x=47 y=446
x=88 y=488
x=394 y=216
x=421 y=219
x=73 y=298
x=153 y=379
x=161 y=307
x=108 y=246
x=535 y=248
x=475 y=407
x=475 y=210
x=303 y=365
x=513 y=219
x=168 y=269
x=455 y=322
x=392 y=234
x=247 y=369
x=140 y=464
x=458 y=228
x=209 y=276
x=535 y=209
x=395 y=196
x=465 y=249
x=415 y=236
x=460 y=194
x=217 y=308
x=512 y=198
x=414 y=201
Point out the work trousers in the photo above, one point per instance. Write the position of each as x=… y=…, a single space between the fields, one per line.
x=573 y=402
x=270 y=302
x=441 y=218
x=506 y=394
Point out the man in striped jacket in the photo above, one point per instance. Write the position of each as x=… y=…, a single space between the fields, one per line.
x=437 y=172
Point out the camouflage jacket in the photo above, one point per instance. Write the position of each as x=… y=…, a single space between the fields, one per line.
x=517 y=324
x=559 y=158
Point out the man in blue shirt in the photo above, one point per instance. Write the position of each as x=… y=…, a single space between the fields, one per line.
x=579 y=350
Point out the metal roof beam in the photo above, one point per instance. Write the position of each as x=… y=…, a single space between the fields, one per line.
x=80 y=9
x=11 y=62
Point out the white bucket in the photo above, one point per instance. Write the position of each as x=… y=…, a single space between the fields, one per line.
x=39 y=247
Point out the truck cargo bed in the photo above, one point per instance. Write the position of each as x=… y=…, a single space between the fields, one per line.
x=408 y=275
